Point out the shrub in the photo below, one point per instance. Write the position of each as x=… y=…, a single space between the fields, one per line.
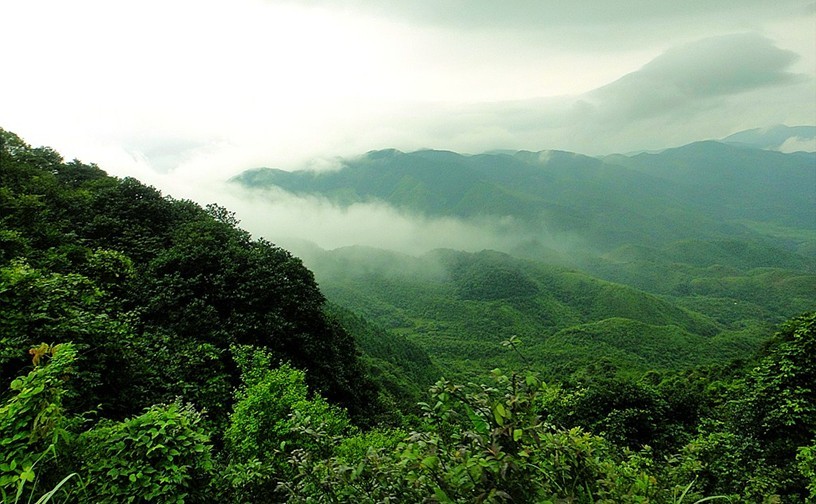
x=274 y=415
x=478 y=444
x=31 y=420
x=162 y=455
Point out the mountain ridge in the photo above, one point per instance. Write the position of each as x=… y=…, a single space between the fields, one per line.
x=705 y=188
x=778 y=137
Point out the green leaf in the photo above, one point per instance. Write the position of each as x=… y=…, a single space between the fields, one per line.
x=27 y=474
x=532 y=381
x=478 y=422
x=430 y=462
x=499 y=413
x=358 y=470
x=441 y=496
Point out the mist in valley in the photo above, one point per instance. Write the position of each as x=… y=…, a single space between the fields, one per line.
x=386 y=238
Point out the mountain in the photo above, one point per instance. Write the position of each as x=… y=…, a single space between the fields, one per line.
x=159 y=294
x=459 y=307
x=705 y=190
x=736 y=184
x=693 y=251
x=780 y=137
x=153 y=351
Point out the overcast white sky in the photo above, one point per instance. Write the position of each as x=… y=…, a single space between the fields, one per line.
x=174 y=91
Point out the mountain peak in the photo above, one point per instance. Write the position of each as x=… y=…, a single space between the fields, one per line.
x=779 y=137
x=383 y=154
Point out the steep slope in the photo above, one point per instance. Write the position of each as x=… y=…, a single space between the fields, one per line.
x=400 y=366
x=158 y=289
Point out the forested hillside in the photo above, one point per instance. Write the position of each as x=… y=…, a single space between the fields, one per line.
x=110 y=263
x=156 y=295
x=702 y=191
x=459 y=306
x=153 y=351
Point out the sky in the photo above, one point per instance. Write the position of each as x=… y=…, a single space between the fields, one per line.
x=184 y=94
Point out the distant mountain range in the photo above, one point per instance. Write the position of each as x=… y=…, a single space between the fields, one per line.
x=780 y=137
x=708 y=190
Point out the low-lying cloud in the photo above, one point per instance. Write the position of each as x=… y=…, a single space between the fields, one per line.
x=796 y=144
x=285 y=218
x=290 y=220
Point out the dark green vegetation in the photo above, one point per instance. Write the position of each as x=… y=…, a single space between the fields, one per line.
x=708 y=247
x=153 y=293
x=152 y=351
x=108 y=263
x=459 y=306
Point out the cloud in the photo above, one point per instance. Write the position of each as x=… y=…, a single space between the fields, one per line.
x=704 y=89
x=796 y=144
x=690 y=92
x=543 y=14
x=687 y=78
x=200 y=91
x=166 y=154
x=284 y=218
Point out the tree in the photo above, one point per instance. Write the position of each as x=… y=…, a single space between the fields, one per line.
x=271 y=412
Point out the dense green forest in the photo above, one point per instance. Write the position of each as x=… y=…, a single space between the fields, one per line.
x=459 y=306
x=153 y=351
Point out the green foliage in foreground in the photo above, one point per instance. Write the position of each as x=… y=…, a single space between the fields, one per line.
x=32 y=418
x=512 y=439
x=744 y=435
x=272 y=408
x=480 y=444
x=162 y=455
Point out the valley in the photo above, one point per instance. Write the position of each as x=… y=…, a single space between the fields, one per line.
x=663 y=260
